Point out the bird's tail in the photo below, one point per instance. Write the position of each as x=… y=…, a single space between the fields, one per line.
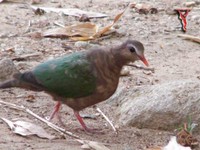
x=15 y=82
x=23 y=80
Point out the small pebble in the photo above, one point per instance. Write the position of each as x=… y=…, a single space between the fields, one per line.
x=81 y=44
x=190 y=4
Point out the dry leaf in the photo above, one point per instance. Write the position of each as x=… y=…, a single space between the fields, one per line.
x=81 y=32
x=107 y=28
x=78 y=30
x=81 y=38
x=71 y=12
x=30 y=98
x=26 y=128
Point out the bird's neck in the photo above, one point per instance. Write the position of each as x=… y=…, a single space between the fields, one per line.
x=119 y=60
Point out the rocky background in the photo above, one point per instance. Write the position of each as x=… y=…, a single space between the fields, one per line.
x=149 y=104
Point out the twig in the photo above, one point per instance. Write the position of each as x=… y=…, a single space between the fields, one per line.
x=58 y=24
x=23 y=57
x=108 y=120
x=143 y=68
x=104 y=37
x=53 y=126
x=28 y=27
x=190 y=37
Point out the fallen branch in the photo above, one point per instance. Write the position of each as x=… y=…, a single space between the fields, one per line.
x=190 y=37
x=23 y=57
x=108 y=120
x=142 y=68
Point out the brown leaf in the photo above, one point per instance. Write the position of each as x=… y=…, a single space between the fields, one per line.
x=30 y=98
x=107 y=28
x=84 y=30
x=81 y=32
x=81 y=38
x=185 y=137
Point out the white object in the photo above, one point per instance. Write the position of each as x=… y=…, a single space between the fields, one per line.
x=173 y=145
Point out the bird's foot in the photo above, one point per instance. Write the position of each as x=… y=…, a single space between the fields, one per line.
x=85 y=128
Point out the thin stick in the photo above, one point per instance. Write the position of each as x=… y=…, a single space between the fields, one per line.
x=28 y=27
x=108 y=120
x=58 y=24
x=142 y=68
x=53 y=126
x=23 y=57
x=190 y=37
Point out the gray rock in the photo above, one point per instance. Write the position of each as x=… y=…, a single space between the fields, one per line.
x=20 y=50
x=85 y=45
x=7 y=69
x=164 y=106
x=81 y=44
x=122 y=31
x=196 y=18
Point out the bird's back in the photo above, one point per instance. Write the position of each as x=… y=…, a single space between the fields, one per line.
x=69 y=76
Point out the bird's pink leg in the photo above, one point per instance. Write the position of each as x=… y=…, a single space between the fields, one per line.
x=55 y=111
x=76 y=113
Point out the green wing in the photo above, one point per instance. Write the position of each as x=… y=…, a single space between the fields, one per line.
x=69 y=76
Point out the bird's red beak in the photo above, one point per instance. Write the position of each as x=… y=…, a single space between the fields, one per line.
x=143 y=59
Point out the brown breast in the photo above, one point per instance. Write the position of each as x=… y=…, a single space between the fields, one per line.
x=107 y=74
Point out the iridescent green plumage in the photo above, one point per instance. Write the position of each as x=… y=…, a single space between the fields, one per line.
x=69 y=76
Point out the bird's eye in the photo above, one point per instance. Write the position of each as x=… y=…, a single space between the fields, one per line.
x=132 y=49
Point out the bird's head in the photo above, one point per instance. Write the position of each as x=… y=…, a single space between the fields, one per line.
x=132 y=51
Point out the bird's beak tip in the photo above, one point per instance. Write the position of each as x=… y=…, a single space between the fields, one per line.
x=143 y=59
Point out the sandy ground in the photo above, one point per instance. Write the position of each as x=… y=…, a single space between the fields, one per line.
x=172 y=57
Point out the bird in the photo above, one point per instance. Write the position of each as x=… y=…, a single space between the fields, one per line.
x=80 y=79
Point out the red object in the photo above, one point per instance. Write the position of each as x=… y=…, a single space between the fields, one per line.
x=182 y=14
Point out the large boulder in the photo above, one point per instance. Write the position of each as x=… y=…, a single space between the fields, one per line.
x=163 y=106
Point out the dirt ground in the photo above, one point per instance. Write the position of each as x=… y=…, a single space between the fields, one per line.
x=172 y=57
